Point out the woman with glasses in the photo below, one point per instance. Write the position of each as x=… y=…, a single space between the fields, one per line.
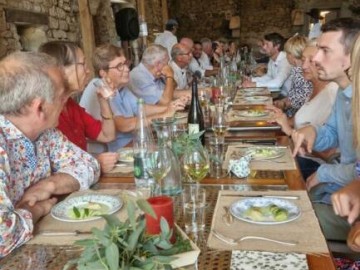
x=74 y=121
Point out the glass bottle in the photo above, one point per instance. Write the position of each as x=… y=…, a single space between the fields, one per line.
x=195 y=116
x=142 y=141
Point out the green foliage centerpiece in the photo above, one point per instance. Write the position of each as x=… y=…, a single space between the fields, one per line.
x=126 y=245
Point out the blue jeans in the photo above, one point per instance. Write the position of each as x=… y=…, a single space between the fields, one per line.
x=322 y=192
x=307 y=166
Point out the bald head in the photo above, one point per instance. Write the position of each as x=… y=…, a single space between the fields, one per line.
x=188 y=42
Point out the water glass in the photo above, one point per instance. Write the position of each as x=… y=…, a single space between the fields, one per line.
x=217 y=152
x=105 y=90
x=194 y=201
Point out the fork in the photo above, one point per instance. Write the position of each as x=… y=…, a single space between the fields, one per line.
x=236 y=241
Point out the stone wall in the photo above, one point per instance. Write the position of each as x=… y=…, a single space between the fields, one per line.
x=62 y=17
x=204 y=18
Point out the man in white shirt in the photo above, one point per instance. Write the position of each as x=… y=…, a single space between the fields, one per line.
x=200 y=62
x=181 y=56
x=315 y=18
x=278 y=73
x=168 y=39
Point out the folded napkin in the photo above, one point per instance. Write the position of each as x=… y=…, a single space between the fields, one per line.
x=249 y=260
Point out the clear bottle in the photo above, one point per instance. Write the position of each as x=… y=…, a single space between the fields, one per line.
x=195 y=116
x=142 y=141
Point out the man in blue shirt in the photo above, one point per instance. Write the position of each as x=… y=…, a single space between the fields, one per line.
x=333 y=61
x=153 y=79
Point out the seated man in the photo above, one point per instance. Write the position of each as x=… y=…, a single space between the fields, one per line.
x=278 y=73
x=110 y=65
x=153 y=79
x=180 y=58
x=199 y=62
x=36 y=161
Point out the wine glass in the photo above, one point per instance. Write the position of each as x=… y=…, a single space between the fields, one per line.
x=196 y=162
x=219 y=123
x=158 y=165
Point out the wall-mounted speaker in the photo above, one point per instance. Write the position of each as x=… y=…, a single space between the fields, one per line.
x=127 y=24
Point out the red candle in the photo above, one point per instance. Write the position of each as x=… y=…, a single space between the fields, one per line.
x=163 y=207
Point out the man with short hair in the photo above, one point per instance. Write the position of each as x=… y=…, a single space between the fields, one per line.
x=37 y=162
x=168 y=39
x=333 y=61
x=278 y=72
x=199 y=62
x=207 y=48
x=153 y=79
x=110 y=65
x=181 y=56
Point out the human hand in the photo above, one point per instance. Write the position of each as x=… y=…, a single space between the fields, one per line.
x=346 y=201
x=303 y=137
x=248 y=83
x=312 y=181
x=167 y=71
x=107 y=161
x=39 y=209
x=353 y=239
x=40 y=191
x=177 y=105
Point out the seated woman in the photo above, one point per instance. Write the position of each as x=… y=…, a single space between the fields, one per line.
x=300 y=88
x=74 y=121
x=323 y=96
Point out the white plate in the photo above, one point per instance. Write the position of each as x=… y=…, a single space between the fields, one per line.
x=126 y=154
x=256 y=98
x=263 y=152
x=253 y=113
x=62 y=210
x=239 y=208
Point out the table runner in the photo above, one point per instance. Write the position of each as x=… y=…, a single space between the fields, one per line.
x=305 y=230
x=263 y=92
x=48 y=223
x=237 y=150
x=242 y=100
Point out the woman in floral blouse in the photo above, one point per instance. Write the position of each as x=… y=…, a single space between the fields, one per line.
x=36 y=161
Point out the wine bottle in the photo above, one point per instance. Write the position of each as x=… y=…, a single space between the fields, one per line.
x=142 y=141
x=195 y=116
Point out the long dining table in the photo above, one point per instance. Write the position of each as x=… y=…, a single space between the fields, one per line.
x=41 y=256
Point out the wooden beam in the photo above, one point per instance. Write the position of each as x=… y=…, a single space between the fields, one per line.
x=25 y=17
x=164 y=11
x=87 y=32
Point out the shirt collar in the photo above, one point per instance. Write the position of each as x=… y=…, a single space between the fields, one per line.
x=10 y=131
x=146 y=71
x=348 y=91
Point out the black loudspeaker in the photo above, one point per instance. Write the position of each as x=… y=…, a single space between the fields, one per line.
x=127 y=24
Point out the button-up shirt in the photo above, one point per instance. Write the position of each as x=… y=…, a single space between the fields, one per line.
x=180 y=75
x=144 y=85
x=22 y=164
x=202 y=64
x=277 y=76
x=337 y=132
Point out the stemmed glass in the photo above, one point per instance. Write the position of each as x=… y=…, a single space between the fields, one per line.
x=196 y=162
x=219 y=122
x=158 y=165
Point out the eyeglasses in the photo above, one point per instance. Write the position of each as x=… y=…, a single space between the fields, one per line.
x=119 y=67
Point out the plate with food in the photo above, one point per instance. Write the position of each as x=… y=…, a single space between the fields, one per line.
x=86 y=207
x=263 y=152
x=126 y=154
x=253 y=113
x=256 y=98
x=265 y=211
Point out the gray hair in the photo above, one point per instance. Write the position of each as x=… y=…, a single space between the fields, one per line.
x=153 y=54
x=176 y=50
x=23 y=78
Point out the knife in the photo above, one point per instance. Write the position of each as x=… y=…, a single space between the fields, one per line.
x=288 y=197
x=63 y=233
